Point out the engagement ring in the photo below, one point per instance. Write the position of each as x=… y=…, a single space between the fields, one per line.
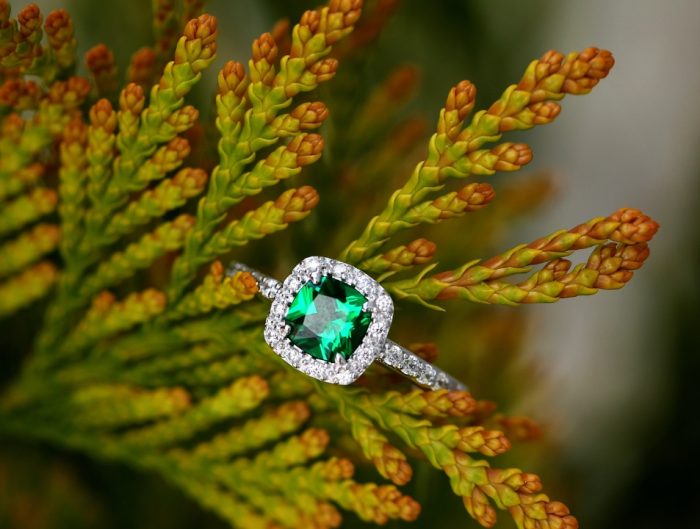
x=331 y=321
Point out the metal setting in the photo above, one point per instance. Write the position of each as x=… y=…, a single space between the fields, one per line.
x=375 y=344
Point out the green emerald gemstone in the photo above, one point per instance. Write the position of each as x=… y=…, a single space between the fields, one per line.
x=327 y=319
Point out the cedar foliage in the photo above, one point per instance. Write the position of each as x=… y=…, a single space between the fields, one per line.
x=148 y=353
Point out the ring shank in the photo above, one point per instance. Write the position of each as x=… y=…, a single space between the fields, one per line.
x=420 y=371
x=393 y=355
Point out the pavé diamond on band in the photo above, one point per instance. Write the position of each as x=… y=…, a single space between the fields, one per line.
x=331 y=321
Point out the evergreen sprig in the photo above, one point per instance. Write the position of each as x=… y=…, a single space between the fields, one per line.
x=143 y=357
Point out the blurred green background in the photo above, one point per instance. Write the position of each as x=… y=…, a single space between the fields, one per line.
x=617 y=386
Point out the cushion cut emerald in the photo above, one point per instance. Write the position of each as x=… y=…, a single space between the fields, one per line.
x=327 y=319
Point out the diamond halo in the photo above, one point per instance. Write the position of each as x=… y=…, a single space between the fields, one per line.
x=379 y=304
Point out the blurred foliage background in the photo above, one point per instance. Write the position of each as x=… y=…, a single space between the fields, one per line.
x=613 y=378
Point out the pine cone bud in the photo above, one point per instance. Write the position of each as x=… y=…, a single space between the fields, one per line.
x=170 y=157
x=310 y=20
x=635 y=226
x=310 y=115
x=511 y=156
x=200 y=43
x=461 y=98
x=232 y=78
x=392 y=464
x=324 y=70
x=558 y=515
x=417 y=252
x=342 y=15
x=476 y=195
x=191 y=181
x=296 y=203
x=587 y=69
x=531 y=483
x=633 y=256
x=102 y=116
x=59 y=28
x=615 y=263
x=184 y=118
x=393 y=502
x=265 y=48
x=132 y=99
x=495 y=443
x=441 y=403
x=262 y=64
x=488 y=442
x=29 y=23
x=308 y=148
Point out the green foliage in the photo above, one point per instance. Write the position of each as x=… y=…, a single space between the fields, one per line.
x=167 y=370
